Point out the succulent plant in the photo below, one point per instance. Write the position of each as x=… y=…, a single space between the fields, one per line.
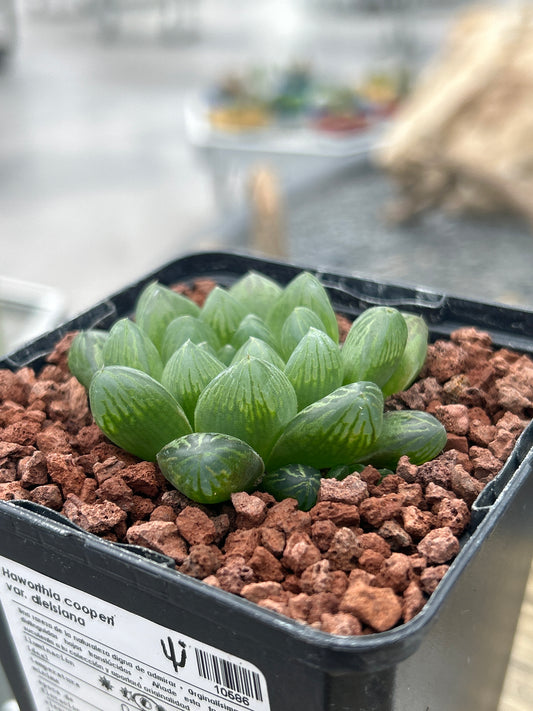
x=135 y=411
x=374 y=345
x=209 y=467
x=157 y=306
x=86 y=355
x=296 y=481
x=253 y=389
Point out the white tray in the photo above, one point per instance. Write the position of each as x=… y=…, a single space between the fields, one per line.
x=291 y=137
x=27 y=310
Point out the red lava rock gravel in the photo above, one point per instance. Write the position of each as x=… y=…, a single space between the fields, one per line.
x=364 y=559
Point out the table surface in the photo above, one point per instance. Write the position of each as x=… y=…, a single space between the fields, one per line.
x=340 y=221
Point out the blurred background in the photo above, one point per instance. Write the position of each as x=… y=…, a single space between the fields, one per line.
x=132 y=131
x=385 y=138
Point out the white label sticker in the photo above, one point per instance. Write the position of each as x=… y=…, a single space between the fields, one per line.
x=80 y=653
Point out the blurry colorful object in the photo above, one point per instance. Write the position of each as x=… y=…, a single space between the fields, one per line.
x=239 y=117
x=295 y=96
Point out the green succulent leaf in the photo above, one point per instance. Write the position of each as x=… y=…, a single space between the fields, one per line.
x=338 y=429
x=414 y=433
x=226 y=354
x=186 y=328
x=314 y=367
x=374 y=345
x=341 y=471
x=157 y=306
x=223 y=313
x=128 y=345
x=85 y=355
x=412 y=358
x=252 y=326
x=135 y=411
x=256 y=348
x=226 y=376
x=252 y=400
x=186 y=374
x=209 y=467
x=303 y=290
x=256 y=293
x=296 y=481
x=296 y=325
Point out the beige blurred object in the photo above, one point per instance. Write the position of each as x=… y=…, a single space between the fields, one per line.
x=463 y=141
x=268 y=230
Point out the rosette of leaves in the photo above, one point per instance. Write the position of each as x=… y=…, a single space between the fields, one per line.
x=255 y=385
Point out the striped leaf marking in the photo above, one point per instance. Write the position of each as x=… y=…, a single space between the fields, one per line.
x=296 y=481
x=414 y=433
x=412 y=358
x=209 y=467
x=135 y=411
x=86 y=355
x=186 y=328
x=252 y=400
x=314 y=368
x=256 y=293
x=252 y=326
x=128 y=345
x=223 y=313
x=226 y=354
x=258 y=349
x=157 y=306
x=374 y=345
x=337 y=429
x=296 y=325
x=187 y=373
x=303 y=290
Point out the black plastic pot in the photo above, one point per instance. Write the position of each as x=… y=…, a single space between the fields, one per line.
x=88 y=624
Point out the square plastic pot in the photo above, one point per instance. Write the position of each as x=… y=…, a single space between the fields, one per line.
x=87 y=624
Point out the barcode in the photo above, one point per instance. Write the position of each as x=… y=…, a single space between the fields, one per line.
x=232 y=676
